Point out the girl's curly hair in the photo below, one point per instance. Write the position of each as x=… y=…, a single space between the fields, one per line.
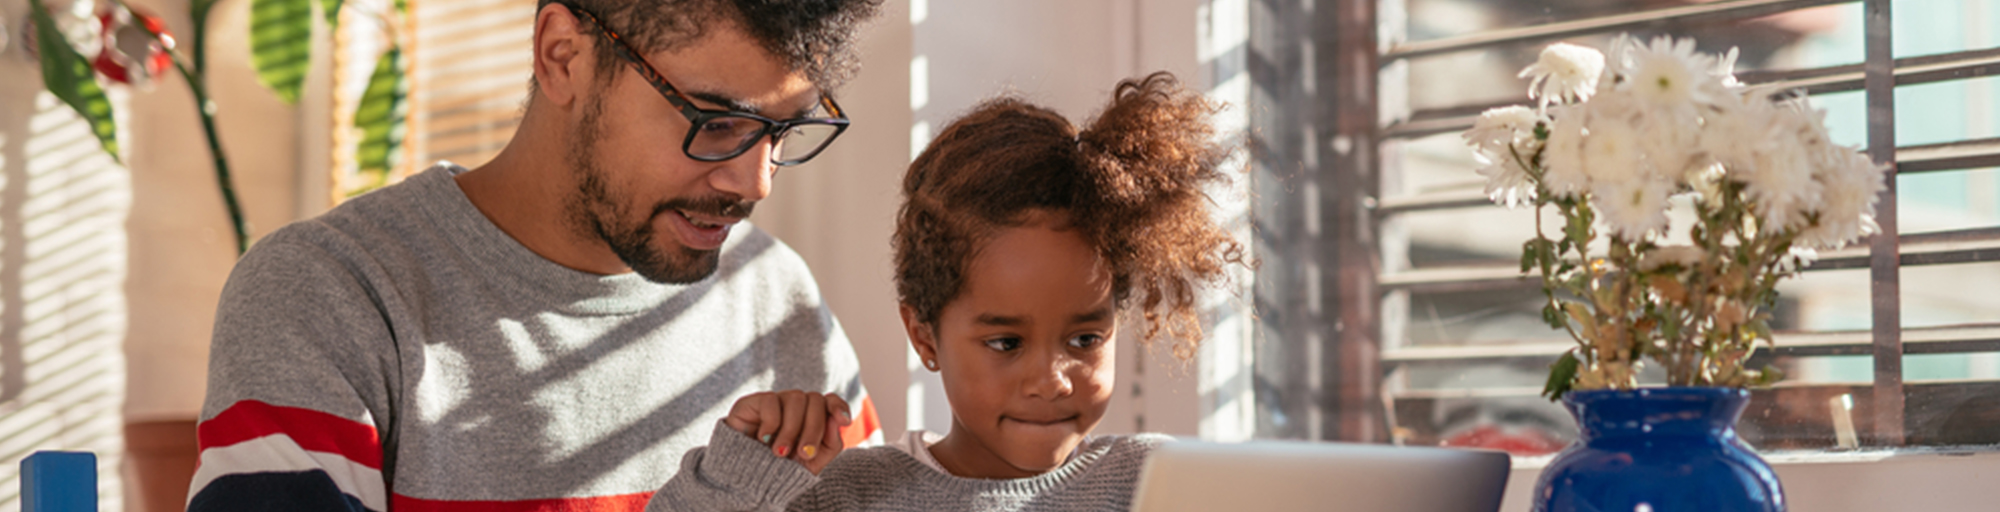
x=1132 y=183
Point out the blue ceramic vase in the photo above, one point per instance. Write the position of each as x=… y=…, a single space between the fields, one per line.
x=1658 y=450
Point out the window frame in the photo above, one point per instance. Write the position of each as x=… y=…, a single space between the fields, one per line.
x=1342 y=285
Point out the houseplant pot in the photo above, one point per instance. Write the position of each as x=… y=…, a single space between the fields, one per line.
x=1659 y=450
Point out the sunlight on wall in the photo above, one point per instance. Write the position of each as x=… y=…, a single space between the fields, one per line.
x=63 y=204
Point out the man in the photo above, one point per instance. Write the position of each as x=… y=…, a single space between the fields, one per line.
x=552 y=330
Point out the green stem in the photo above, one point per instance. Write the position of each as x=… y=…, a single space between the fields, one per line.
x=196 y=79
x=222 y=177
x=199 y=14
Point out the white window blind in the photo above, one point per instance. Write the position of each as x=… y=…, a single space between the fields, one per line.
x=1392 y=305
x=468 y=62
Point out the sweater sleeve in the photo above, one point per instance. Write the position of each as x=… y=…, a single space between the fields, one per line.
x=733 y=473
x=296 y=385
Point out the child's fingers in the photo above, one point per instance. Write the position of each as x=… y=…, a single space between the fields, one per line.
x=770 y=417
x=834 y=441
x=793 y=403
x=814 y=428
x=837 y=407
x=749 y=415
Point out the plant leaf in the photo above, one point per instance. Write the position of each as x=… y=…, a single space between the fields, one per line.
x=380 y=118
x=1562 y=375
x=281 y=44
x=1530 y=255
x=331 y=9
x=70 y=78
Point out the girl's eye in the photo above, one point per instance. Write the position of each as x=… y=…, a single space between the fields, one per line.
x=1003 y=344
x=1086 y=341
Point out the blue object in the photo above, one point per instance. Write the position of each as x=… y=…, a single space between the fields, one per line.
x=59 y=482
x=1658 y=450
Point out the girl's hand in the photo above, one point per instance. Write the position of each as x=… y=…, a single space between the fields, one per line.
x=797 y=425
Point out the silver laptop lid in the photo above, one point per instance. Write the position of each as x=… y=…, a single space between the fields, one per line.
x=1298 y=476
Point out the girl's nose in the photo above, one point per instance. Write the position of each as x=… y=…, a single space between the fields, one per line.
x=1051 y=379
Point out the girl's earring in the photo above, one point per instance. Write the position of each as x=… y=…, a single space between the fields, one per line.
x=931 y=363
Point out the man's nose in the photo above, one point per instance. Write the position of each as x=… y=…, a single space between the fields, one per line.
x=748 y=176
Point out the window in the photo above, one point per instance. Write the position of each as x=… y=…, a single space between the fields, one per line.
x=1390 y=304
x=467 y=69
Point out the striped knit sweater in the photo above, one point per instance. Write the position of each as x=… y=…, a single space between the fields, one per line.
x=737 y=473
x=402 y=352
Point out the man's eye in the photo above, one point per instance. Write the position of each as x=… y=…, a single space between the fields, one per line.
x=1086 y=341
x=722 y=126
x=1003 y=344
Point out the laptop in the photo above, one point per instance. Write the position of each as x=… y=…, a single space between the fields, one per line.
x=1279 y=476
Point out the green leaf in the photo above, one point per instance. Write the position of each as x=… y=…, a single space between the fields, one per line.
x=331 y=8
x=1578 y=229
x=70 y=78
x=1530 y=255
x=281 y=44
x=1562 y=375
x=1554 y=317
x=380 y=116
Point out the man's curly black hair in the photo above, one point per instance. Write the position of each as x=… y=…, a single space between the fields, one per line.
x=815 y=37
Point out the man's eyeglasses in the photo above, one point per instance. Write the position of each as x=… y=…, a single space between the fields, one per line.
x=717 y=135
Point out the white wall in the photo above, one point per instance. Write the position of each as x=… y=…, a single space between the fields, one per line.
x=182 y=243
x=62 y=267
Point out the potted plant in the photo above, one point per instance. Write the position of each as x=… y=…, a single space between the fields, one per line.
x=1611 y=146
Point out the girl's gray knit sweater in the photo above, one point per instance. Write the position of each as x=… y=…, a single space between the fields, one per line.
x=737 y=473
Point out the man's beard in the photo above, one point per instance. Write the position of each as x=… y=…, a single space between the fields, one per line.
x=593 y=212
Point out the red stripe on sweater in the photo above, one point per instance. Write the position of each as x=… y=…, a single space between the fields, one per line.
x=865 y=424
x=618 y=503
x=312 y=430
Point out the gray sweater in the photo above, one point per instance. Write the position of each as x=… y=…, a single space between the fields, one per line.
x=402 y=352
x=737 y=473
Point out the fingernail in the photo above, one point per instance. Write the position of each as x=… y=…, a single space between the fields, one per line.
x=784 y=451
x=766 y=439
x=808 y=451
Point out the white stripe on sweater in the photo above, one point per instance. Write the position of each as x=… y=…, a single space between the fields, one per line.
x=278 y=453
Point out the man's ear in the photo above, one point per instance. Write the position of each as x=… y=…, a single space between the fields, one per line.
x=564 y=55
x=922 y=337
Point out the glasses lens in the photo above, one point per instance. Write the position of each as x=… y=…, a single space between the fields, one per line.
x=803 y=141
x=724 y=136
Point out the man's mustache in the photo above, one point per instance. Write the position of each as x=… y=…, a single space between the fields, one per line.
x=713 y=206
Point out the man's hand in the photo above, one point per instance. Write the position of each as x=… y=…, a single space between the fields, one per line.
x=797 y=425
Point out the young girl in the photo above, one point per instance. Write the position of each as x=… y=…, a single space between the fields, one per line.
x=1022 y=248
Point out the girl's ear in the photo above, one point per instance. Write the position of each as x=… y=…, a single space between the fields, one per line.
x=922 y=337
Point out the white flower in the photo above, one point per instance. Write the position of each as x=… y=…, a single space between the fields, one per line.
x=1731 y=129
x=1500 y=128
x=1612 y=148
x=1668 y=73
x=1783 y=162
x=1500 y=139
x=1562 y=155
x=1634 y=209
x=1564 y=72
x=1852 y=187
x=1724 y=71
x=1671 y=141
x=1507 y=183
